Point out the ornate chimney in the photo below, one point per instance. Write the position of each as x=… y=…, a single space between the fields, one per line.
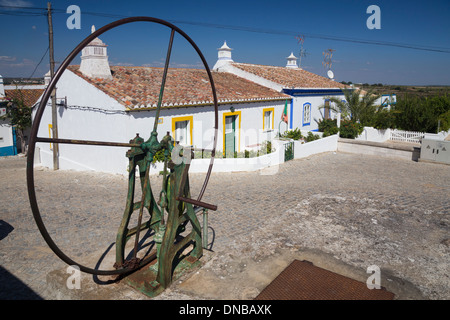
x=224 y=56
x=94 y=61
x=292 y=61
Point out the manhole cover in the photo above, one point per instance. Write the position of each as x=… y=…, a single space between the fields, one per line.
x=301 y=280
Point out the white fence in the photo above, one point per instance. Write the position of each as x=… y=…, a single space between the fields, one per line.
x=383 y=135
x=406 y=136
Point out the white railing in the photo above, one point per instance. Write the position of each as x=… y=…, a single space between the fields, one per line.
x=406 y=136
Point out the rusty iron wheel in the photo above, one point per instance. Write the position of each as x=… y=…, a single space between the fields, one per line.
x=35 y=127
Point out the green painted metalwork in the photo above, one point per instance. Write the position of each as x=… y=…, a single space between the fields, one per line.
x=168 y=218
x=289 y=151
x=169 y=244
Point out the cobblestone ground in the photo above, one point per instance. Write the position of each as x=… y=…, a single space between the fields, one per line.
x=357 y=210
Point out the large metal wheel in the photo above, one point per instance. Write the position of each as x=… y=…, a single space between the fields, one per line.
x=35 y=128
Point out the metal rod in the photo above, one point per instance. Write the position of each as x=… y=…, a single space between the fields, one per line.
x=87 y=142
x=198 y=203
x=141 y=210
x=163 y=82
x=205 y=228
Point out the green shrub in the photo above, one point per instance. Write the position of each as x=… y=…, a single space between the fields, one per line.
x=293 y=134
x=328 y=127
x=384 y=119
x=350 y=129
x=311 y=137
x=444 y=121
x=159 y=156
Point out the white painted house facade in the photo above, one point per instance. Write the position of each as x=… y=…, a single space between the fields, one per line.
x=8 y=144
x=116 y=104
x=10 y=141
x=309 y=91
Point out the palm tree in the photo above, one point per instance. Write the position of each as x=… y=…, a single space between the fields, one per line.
x=357 y=106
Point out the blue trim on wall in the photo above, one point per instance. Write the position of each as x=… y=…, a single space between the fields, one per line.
x=313 y=92
x=291 y=122
x=14 y=140
x=7 y=151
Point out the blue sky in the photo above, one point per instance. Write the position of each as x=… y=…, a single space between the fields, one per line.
x=260 y=32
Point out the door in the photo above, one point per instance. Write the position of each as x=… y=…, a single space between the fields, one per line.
x=230 y=136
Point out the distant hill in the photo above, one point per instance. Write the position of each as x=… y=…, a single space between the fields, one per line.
x=22 y=81
x=401 y=90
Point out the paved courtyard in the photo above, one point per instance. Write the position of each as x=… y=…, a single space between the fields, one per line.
x=343 y=212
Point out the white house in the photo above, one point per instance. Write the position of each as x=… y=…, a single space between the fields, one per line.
x=8 y=146
x=114 y=103
x=10 y=143
x=308 y=91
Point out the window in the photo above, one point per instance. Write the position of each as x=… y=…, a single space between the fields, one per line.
x=307 y=114
x=182 y=130
x=98 y=51
x=229 y=124
x=268 y=119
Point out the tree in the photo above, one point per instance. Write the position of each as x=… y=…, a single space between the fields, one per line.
x=19 y=116
x=421 y=113
x=356 y=106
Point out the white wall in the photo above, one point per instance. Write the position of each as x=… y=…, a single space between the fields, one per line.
x=327 y=144
x=82 y=121
x=76 y=122
x=6 y=136
x=375 y=135
x=317 y=114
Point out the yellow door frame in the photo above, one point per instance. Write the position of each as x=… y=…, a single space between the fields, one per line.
x=227 y=114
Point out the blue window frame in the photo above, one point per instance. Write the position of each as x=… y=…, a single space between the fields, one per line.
x=306 y=117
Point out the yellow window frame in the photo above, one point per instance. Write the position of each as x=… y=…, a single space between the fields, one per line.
x=227 y=114
x=273 y=117
x=191 y=126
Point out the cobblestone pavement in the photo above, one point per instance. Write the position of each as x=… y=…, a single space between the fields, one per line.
x=343 y=211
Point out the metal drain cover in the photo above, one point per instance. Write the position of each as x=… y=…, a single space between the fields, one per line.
x=301 y=280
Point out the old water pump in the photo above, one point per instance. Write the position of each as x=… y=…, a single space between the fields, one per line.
x=170 y=215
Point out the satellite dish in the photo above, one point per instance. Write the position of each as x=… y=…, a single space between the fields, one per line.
x=330 y=74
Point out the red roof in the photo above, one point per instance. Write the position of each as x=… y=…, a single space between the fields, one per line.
x=289 y=77
x=29 y=96
x=138 y=87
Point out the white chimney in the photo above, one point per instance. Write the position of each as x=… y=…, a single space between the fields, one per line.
x=292 y=61
x=224 y=56
x=94 y=61
x=2 y=88
x=47 y=78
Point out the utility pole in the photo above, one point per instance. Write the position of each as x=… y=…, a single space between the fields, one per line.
x=53 y=95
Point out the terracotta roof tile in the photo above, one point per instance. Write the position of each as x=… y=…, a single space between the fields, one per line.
x=29 y=96
x=138 y=87
x=289 y=77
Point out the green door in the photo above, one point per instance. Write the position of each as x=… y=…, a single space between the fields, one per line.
x=230 y=136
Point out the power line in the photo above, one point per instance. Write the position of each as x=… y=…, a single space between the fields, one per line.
x=243 y=28
x=39 y=63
